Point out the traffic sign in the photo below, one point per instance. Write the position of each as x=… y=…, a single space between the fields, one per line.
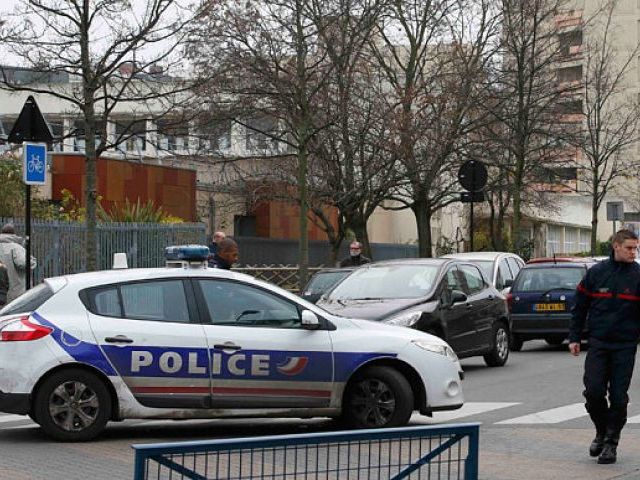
x=34 y=163
x=30 y=125
x=615 y=211
x=473 y=175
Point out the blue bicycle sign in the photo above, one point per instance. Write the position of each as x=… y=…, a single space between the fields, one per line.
x=34 y=163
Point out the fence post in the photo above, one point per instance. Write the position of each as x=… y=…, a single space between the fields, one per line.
x=472 y=461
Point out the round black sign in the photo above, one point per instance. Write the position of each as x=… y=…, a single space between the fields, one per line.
x=472 y=175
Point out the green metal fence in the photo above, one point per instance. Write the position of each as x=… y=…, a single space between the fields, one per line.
x=59 y=246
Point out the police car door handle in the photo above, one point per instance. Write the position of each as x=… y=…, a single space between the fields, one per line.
x=226 y=346
x=118 y=339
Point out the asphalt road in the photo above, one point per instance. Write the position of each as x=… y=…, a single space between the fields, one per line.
x=533 y=427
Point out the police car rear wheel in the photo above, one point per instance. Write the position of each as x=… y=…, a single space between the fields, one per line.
x=72 y=405
x=378 y=397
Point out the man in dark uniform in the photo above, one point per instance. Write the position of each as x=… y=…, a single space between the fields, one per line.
x=608 y=301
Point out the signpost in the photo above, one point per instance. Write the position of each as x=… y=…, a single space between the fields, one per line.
x=473 y=177
x=615 y=211
x=31 y=127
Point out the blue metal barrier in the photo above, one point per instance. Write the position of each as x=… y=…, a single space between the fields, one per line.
x=428 y=452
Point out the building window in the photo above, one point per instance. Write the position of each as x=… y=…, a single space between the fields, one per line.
x=569 y=39
x=173 y=135
x=571 y=240
x=585 y=240
x=554 y=234
x=569 y=107
x=570 y=74
x=131 y=135
x=260 y=135
x=79 y=135
x=214 y=135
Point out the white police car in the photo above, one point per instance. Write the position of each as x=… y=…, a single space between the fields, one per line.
x=80 y=350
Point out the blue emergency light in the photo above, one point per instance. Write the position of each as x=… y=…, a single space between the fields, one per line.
x=186 y=253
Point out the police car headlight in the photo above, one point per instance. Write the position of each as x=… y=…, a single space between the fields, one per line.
x=445 y=350
x=405 y=319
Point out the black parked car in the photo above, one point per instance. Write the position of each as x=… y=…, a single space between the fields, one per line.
x=541 y=299
x=322 y=282
x=447 y=297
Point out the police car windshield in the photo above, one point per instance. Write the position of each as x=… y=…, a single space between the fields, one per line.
x=29 y=301
x=386 y=282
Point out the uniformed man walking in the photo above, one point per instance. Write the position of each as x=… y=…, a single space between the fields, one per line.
x=608 y=301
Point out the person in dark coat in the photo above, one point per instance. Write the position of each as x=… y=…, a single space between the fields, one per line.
x=4 y=284
x=608 y=303
x=226 y=255
x=216 y=238
x=355 y=257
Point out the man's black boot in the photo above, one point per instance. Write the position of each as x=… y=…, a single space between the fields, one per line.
x=596 y=446
x=609 y=453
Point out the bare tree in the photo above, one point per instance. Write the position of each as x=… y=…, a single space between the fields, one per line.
x=525 y=105
x=107 y=48
x=611 y=114
x=434 y=68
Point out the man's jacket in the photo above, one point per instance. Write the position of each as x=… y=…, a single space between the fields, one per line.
x=13 y=255
x=608 y=302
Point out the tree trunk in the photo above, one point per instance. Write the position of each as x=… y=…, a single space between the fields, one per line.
x=91 y=194
x=422 y=212
x=594 y=227
x=303 y=257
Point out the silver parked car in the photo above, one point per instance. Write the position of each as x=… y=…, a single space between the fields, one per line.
x=500 y=268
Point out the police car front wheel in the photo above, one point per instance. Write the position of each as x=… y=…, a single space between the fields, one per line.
x=72 y=405
x=378 y=397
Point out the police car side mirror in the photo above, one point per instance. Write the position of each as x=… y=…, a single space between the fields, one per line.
x=309 y=320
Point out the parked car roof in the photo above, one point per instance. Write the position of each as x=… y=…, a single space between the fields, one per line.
x=479 y=255
x=562 y=260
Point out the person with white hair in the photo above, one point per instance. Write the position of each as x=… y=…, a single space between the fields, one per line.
x=13 y=257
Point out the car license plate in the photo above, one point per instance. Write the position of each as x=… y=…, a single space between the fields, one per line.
x=549 y=307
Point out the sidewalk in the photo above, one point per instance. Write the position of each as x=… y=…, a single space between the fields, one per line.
x=552 y=453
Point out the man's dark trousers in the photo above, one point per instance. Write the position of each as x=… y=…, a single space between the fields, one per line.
x=609 y=367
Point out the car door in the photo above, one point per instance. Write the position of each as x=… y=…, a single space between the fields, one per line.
x=480 y=304
x=149 y=332
x=261 y=354
x=457 y=323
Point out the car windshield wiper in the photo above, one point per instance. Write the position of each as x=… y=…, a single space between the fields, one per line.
x=368 y=298
x=556 y=288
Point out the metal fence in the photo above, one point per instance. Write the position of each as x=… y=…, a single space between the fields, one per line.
x=428 y=452
x=285 y=276
x=59 y=246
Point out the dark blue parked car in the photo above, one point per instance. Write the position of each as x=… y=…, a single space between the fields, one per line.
x=541 y=299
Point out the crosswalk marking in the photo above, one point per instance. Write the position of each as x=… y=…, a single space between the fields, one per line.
x=469 y=408
x=635 y=419
x=554 y=415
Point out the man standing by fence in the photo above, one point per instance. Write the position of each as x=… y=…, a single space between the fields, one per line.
x=226 y=255
x=13 y=256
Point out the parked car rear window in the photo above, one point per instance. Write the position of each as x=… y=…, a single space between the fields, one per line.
x=487 y=268
x=543 y=279
x=323 y=281
x=29 y=301
x=387 y=281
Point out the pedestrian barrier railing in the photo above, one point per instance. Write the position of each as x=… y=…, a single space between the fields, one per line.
x=425 y=452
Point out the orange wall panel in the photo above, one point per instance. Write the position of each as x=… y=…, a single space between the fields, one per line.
x=171 y=188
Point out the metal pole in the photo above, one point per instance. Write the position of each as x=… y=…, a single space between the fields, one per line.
x=614 y=227
x=27 y=238
x=471 y=226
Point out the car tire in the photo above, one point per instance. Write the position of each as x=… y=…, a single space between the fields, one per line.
x=72 y=405
x=379 y=397
x=516 y=343
x=499 y=353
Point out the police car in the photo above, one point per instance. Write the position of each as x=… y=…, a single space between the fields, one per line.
x=187 y=341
